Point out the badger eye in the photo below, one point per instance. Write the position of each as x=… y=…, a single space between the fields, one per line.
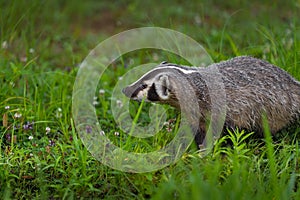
x=143 y=86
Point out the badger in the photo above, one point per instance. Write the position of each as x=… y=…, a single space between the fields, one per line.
x=253 y=89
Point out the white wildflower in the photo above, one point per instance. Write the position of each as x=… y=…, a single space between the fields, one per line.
x=102 y=133
x=119 y=103
x=101 y=91
x=95 y=102
x=31 y=50
x=166 y=123
x=58 y=113
x=4 y=45
x=17 y=115
x=48 y=129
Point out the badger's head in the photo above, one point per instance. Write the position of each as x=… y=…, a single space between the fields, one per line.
x=154 y=86
x=159 y=85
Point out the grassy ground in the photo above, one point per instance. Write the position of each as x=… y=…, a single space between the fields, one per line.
x=42 y=45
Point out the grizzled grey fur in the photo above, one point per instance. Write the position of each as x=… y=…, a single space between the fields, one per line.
x=253 y=88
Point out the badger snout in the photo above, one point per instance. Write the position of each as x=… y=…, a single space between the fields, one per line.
x=131 y=92
x=136 y=92
x=128 y=92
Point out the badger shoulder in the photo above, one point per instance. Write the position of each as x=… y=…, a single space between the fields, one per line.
x=247 y=70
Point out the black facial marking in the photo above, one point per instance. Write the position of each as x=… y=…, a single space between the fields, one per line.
x=165 y=90
x=136 y=91
x=143 y=86
x=164 y=87
x=152 y=95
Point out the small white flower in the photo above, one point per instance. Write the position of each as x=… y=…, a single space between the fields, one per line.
x=30 y=137
x=102 y=133
x=4 y=45
x=31 y=154
x=119 y=103
x=95 y=102
x=101 y=91
x=166 y=124
x=117 y=133
x=48 y=129
x=17 y=115
x=31 y=50
x=58 y=113
x=7 y=107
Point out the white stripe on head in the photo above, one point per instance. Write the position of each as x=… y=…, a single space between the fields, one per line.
x=185 y=71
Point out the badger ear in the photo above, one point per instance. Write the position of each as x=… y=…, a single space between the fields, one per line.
x=163 y=87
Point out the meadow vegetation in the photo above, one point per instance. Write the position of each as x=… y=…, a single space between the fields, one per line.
x=42 y=46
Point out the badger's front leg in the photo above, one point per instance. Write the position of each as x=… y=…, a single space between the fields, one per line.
x=199 y=138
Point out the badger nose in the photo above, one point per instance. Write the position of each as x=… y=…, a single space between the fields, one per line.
x=124 y=91
x=127 y=92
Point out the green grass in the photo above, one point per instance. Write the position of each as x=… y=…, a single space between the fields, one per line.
x=42 y=45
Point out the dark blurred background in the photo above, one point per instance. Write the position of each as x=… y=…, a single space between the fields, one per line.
x=62 y=32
